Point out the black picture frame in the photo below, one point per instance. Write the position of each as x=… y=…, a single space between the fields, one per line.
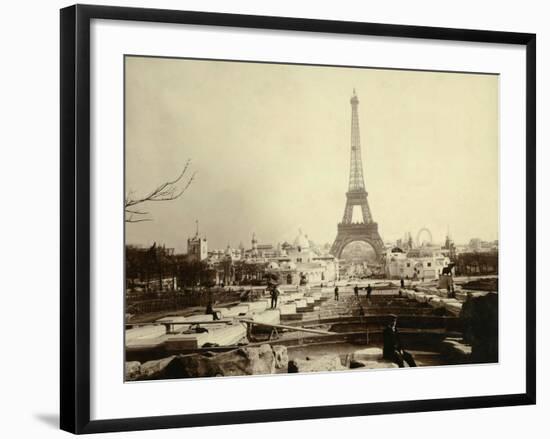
x=75 y=217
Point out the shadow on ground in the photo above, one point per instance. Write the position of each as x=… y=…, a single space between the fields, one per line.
x=49 y=419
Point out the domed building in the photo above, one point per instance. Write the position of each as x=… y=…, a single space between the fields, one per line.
x=300 y=261
x=291 y=263
x=301 y=243
x=288 y=266
x=301 y=251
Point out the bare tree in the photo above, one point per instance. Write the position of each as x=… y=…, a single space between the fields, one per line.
x=170 y=190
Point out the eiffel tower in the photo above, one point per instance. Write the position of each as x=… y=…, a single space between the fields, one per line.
x=366 y=230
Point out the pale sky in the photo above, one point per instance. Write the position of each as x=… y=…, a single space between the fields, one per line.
x=270 y=145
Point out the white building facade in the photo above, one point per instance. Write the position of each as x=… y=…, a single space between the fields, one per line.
x=419 y=263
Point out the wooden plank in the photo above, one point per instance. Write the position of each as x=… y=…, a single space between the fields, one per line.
x=291 y=328
x=179 y=323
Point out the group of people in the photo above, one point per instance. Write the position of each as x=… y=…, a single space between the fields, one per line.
x=274 y=292
x=355 y=291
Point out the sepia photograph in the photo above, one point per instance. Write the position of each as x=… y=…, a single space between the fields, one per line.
x=293 y=218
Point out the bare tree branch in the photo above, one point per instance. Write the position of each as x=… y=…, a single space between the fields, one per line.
x=131 y=220
x=136 y=212
x=167 y=191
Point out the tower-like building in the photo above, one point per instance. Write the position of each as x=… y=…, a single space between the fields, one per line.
x=254 y=245
x=365 y=230
x=197 y=247
x=450 y=246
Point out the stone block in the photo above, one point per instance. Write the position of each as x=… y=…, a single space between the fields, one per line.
x=186 y=341
x=144 y=332
x=244 y=361
x=235 y=311
x=325 y=363
x=380 y=364
x=367 y=354
x=272 y=316
x=281 y=356
x=436 y=302
x=181 y=323
x=287 y=308
x=155 y=368
x=455 y=350
x=453 y=306
x=151 y=335
x=132 y=370
x=218 y=334
x=317 y=295
x=258 y=306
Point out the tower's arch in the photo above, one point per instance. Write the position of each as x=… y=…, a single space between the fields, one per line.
x=348 y=233
x=350 y=242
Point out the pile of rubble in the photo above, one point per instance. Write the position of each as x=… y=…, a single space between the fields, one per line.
x=261 y=360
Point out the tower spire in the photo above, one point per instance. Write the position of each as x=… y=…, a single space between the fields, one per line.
x=356 y=180
x=356 y=195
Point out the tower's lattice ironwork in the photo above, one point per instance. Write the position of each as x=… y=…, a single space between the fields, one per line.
x=365 y=230
x=356 y=181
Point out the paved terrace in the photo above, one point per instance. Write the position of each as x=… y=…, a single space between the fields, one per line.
x=310 y=309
